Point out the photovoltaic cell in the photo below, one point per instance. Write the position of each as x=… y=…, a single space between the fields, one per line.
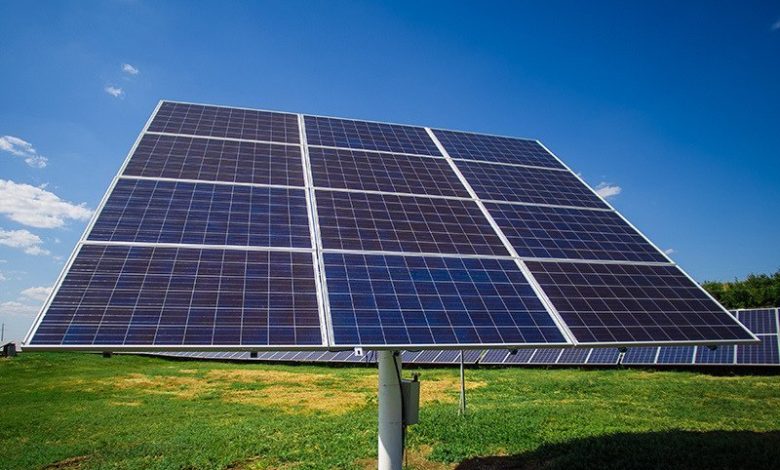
x=546 y=356
x=721 y=355
x=632 y=303
x=494 y=356
x=521 y=356
x=388 y=172
x=675 y=355
x=117 y=295
x=553 y=232
x=759 y=321
x=346 y=133
x=573 y=356
x=379 y=300
x=385 y=222
x=203 y=213
x=640 y=355
x=164 y=156
x=766 y=352
x=495 y=149
x=213 y=121
x=528 y=185
x=604 y=356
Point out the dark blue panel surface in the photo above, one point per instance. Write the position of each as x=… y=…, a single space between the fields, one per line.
x=521 y=356
x=552 y=232
x=388 y=172
x=604 y=356
x=723 y=355
x=633 y=303
x=640 y=355
x=346 y=133
x=545 y=356
x=202 y=213
x=195 y=119
x=759 y=321
x=139 y=296
x=378 y=300
x=494 y=356
x=766 y=352
x=495 y=149
x=675 y=355
x=529 y=185
x=573 y=356
x=386 y=222
x=163 y=156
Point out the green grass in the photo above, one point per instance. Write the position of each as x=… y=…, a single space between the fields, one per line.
x=83 y=411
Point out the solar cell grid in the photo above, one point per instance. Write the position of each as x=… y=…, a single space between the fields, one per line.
x=177 y=157
x=377 y=300
x=759 y=321
x=203 y=213
x=632 y=303
x=521 y=356
x=675 y=355
x=721 y=355
x=415 y=224
x=528 y=185
x=494 y=356
x=640 y=355
x=117 y=295
x=605 y=356
x=545 y=356
x=213 y=121
x=346 y=133
x=552 y=232
x=766 y=352
x=388 y=172
x=573 y=356
x=495 y=149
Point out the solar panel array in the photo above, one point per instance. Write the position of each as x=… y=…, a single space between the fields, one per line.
x=764 y=354
x=258 y=230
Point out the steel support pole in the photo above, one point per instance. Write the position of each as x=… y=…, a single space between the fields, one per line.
x=391 y=444
x=462 y=401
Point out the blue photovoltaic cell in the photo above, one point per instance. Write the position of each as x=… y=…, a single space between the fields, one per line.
x=675 y=355
x=529 y=185
x=759 y=321
x=553 y=232
x=640 y=355
x=573 y=356
x=387 y=222
x=203 y=213
x=195 y=119
x=495 y=149
x=723 y=354
x=766 y=352
x=632 y=303
x=388 y=172
x=494 y=356
x=546 y=356
x=426 y=357
x=604 y=356
x=521 y=356
x=117 y=295
x=177 y=157
x=379 y=300
x=346 y=133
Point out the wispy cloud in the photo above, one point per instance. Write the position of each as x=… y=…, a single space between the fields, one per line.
x=669 y=251
x=36 y=207
x=116 y=92
x=13 y=308
x=608 y=190
x=130 y=70
x=2 y=277
x=23 y=240
x=37 y=293
x=21 y=148
x=776 y=25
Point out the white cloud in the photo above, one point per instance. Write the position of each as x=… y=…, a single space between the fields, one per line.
x=21 y=148
x=14 y=308
x=776 y=25
x=36 y=207
x=608 y=190
x=669 y=251
x=37 y=293
x=24 y=240
x=129 y=69
x=2 y=277
x=116 y=92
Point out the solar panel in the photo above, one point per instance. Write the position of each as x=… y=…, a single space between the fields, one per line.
x=380 y=300
x=722 y=355
x=411 y=224
x=346 y=133
x=603 y=356
x=496 y=149
x=388 y=172
x=494 y=356
x=675 y=355
x=528 y=185
x=140 y=296
x=546 y=356
x=574 y=356
x=261 y=230
x=197 y=158
x=214 y=121
x=622 y=303
x=552 y=232
x=759 y=321
x=203 y=213
x=640 y=355
x=521 y=356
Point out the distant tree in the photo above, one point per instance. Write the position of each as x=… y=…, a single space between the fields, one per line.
x=757 y=290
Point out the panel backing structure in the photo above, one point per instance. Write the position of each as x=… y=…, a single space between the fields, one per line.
x=243 y=230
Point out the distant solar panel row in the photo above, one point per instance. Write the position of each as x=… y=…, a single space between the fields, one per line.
x=413 y=256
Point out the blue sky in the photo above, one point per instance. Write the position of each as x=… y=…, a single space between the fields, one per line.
x=677 y=104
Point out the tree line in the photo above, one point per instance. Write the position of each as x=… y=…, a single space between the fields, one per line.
x=757 y=290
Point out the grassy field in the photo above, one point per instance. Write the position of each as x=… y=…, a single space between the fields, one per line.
x=70 y=411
